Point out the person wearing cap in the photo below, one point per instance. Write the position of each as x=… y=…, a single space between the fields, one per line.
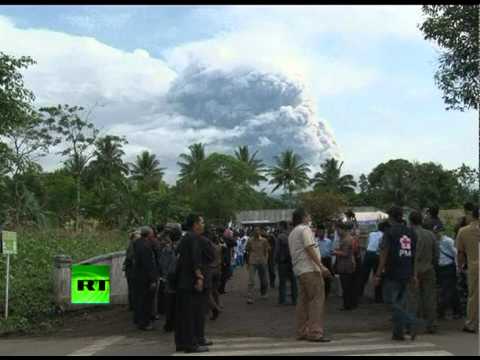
x=447 y=274
x=467 y=245
x=397 y=264
x=258 y=250
x=426 y=259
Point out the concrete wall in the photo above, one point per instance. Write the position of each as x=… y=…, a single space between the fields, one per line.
x=62 y=279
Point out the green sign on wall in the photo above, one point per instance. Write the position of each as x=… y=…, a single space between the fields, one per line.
x=90 y=284
x=9 y=243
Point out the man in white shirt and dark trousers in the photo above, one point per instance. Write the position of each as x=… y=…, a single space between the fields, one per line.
x=372 y=258
x=447 y=275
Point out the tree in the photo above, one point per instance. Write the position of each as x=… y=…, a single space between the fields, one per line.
x=434 y=186
x=257 y=166
x=147 y=171
x=108 y=162
x=189 y=167
x=393 y=183
x=330 y=178
x=223 y=188
x=323 y=206
x=468 y=182
x=15 y=99
x=28 y=141
x=78 y=135
x=289 y=173
x=455 y=29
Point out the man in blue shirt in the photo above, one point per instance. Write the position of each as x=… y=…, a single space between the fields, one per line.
x=372 y=258
x=326 y=251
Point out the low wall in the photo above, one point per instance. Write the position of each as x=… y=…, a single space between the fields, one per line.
x=63 y=272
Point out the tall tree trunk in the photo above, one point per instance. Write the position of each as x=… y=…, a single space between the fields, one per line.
x=17 y=204
x=77 y=210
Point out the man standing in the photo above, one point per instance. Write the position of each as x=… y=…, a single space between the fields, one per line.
x=285 y=269
x=146 y=275
x=195 y=254
x=426 y=258
x=257 y=261
x=228 y=246
x=128 y=268
x=325 y=246
x=397 y=259
x=372 y=258
x=310 y=272
x=467 y=244
x=271 y=261
x=447 y=275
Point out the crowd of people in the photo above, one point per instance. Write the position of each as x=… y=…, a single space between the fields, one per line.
x=182 y=272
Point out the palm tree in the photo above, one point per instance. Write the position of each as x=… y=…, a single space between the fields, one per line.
x=289 y=173
x=189 y=168
x=256 y=166
x=108 y=157
x=147 y=171
x=330 y=178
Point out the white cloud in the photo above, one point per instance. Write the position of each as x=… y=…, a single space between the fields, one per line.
x=216 y=92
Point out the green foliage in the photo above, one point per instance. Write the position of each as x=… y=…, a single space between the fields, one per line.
x=323 y=206
x=15 y=99
x=289 y=173
x=455 y=29
x=147 y=171
x=31 y=292
x=330 y=178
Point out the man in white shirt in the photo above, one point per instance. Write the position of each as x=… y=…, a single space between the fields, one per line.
x=310 y=271
x=447 y=274
x=372 y=257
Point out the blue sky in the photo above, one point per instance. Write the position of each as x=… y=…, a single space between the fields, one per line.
x=363 y=76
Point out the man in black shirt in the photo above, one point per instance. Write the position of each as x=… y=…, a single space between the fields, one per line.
x=145 y=275
x=195 y=254
x=397 y=260
x=285 y=268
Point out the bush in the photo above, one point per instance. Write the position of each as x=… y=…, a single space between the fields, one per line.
x=31 y=272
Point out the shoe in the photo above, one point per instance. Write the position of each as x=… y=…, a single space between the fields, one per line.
x=431 y=330
x=249 y=301
x=215 y=314
x=264 y=297
x=206 y=343
x=413 y=334
x=146 y=328
x=398 y=338
x=198 y=349
x=468 y=330
x=457 y=317
x=323 y=339
x=180 y=349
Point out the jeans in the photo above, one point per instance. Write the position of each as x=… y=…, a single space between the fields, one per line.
x=271 y=272
x=447 y=279
x=285 y=274
x=396 y=294
x=261 y=269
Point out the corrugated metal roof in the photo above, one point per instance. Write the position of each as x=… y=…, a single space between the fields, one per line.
x=264 y=216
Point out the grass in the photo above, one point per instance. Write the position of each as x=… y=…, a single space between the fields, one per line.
x=31 y=305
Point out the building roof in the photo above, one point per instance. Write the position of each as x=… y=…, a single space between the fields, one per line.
x=269 y=216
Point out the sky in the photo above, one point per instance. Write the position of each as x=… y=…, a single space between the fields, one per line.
x=351 y=82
